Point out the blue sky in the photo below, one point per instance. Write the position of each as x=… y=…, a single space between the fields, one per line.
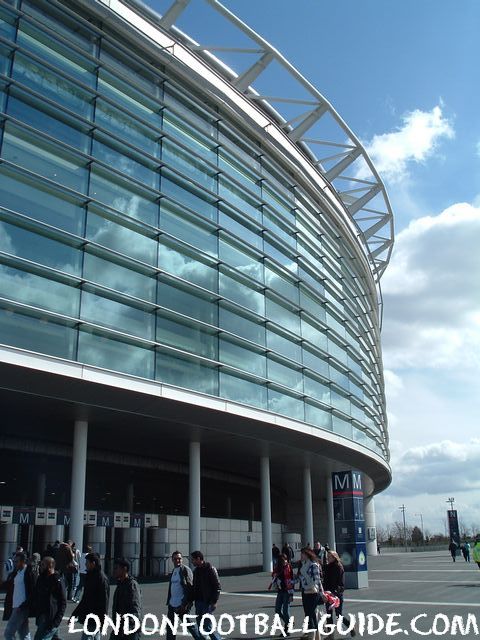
x=405 y=77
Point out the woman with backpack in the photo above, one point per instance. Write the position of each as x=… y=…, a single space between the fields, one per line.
x=282 y=579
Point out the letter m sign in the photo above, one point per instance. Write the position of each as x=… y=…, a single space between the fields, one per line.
x=341 y=481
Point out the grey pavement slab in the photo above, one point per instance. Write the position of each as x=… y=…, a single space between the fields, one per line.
x=409 y=584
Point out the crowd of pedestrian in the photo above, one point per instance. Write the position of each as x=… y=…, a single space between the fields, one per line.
x=40 y=588
x=319 y=575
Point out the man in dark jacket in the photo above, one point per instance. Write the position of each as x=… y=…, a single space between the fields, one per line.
x=18 y=599
x=206 y=591
x=50 y=600
x=127 y=597
x=95 y=596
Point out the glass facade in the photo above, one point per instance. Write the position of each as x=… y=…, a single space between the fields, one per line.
x=142 y=231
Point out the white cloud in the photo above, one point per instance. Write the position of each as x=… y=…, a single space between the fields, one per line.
x=414 y=141
x=432 y=293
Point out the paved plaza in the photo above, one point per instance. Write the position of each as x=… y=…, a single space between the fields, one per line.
x=406 y=583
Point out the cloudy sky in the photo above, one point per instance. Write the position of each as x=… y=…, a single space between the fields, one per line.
x=405 y=77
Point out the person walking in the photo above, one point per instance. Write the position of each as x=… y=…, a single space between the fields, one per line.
x=34 y=563
x=20 y=586
x=127 y=597
x=282 y=579
x=77 y=556
x=82 y=572
x=310 y=576
x=476 y=551
x=180 y=594
x=466 y=551
x=452 y=547
x=206 y=591
x=49 y=600
x=319 y=551
x=95 y=596
x=334 y=582
x=64 y=562
x=275 y=555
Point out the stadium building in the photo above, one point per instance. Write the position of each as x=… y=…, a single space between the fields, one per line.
x=191 y=247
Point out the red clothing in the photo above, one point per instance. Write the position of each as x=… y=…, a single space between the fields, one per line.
x=284 y=577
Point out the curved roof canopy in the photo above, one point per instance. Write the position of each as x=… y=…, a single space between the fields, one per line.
x=303 y=113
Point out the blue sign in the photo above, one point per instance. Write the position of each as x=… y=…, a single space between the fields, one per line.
x=350 y=535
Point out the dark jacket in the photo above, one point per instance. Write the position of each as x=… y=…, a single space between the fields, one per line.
x=186 y=580
x=334 y=578
x=50 y=598
x=206 y=586
x=127 y=598
x=29 y=580
x=96 y=594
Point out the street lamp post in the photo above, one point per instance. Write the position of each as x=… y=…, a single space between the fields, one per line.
x=402 y=509
x=423 y=534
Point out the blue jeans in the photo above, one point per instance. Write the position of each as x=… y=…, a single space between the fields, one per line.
x=44 y=630
x=201 y=608
x=282 y=606
x=18 y=624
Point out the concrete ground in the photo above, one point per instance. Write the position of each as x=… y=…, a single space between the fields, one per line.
x=406 y=583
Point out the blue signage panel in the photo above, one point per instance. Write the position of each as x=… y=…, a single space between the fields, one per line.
x=350 y=535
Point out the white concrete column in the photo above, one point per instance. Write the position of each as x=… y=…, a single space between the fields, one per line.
x=130 y=497
x=41 y=489
x=307 y=507
x=370 y=522
x=79 y=473
x=194 y=497
x=266 y=513
x=330 y=516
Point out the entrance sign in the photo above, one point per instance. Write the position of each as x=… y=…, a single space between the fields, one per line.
x=350 y=526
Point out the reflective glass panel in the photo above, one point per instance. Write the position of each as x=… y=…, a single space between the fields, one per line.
x=174 y=332
x=121 y=238
x=40 y=201
x=119 y=278
x=186 y=372
x=37 y=334
x=110 y=313
x=244 y=391
x=111 y=354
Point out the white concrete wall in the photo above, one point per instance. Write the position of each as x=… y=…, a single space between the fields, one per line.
x=227 y=544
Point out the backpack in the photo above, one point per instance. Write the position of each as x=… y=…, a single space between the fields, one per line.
x=9 y=567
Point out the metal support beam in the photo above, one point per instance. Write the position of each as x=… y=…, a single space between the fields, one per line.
x=307 y=123
x=359 y=203
x=250 y=75
x=173 y=12
x=340 y=167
